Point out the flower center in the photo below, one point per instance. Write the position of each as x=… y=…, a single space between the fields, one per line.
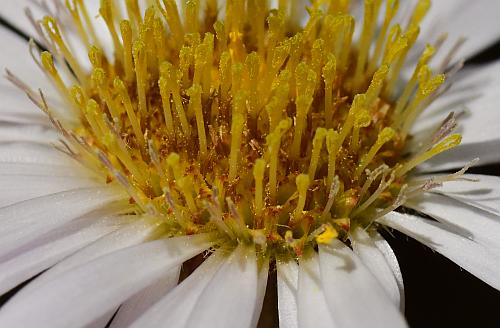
x=257 y=126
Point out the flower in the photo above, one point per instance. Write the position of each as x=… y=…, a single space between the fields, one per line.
x=262 y=142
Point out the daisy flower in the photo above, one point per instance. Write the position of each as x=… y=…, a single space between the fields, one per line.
x=184 y=153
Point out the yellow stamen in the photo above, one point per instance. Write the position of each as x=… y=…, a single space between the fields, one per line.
x=128 y=60
x=410 y=86
x=329 y=72
x=303 y=104
x=258 y=175
x=447 y=144
x=327 y=235
x=194 y=94
x=390 y=11
x=362 y=120
x=370 y=19
x=332 y=145
x=386 y=135
x=237 y=126
x=140 y=61
x=48 y=64
x=100 y=79
x=273 y=143
x=167 y=110
x=171 y=13
x=107 y=13
x=52 y=29
x=316 y=151
x=74 y=10
x=302 y=182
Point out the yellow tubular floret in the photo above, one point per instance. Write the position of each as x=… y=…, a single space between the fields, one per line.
x=329 y=72
x=302 y=181
x=332 y=145
x=237 y=126
x=319 y=137
x=273 y=141
x=195 y=103
x=241 y=119
x=386 y=135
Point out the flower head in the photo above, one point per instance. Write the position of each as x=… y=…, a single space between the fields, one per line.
x=279 y=133
x=252 y=132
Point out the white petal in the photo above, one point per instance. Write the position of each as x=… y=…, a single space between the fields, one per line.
x=483 y=193
x=81 y=295
x=16 y=107
x=477 y=21
x=392 y=260
x=375 y=261
x=31 y=153
x=18 y=188
x=470 y=255
x=465 y=220
x=103 y=321
x=262 y=278
x=29 y=169
x=476 y=93
x=312 y=310
x=288 y=281
x=474 y=88
x=132 y=234
x=29 y=263
x=17 y=59
x=236 y=286
x=13 y=12
x=11 y=132
x=23 y=222
x=139 y=303
x=354 y=295
x=176 y=307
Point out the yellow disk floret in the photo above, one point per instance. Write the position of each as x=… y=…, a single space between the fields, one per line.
x=256 y=124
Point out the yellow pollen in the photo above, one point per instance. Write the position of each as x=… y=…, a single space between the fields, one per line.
x=327 y=235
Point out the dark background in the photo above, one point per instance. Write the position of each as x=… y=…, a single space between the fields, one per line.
x=438 y=293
